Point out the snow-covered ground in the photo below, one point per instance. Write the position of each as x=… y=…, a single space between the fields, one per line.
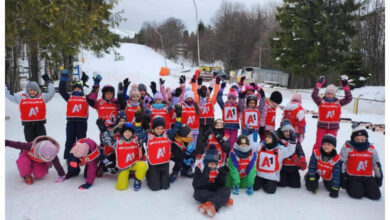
x=47 y=200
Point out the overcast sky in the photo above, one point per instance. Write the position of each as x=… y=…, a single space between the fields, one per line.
x=138 y=11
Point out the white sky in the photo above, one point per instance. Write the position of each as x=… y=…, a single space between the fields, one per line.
x=138 y=11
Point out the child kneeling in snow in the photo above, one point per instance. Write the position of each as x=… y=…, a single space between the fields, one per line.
x=84 y=152
x=362 y=171
x=209 y=184
x=241 y=163
x=325 y=163
x=36 y=158
x=270 y=156
x=128 y=154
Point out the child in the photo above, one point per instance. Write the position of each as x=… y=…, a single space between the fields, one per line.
x=158 y=108
x=325 y=163
x=183 y=153
x=84 y=152
x=32 y=106
x=361 y=169
x=158 y=149
x=241 y=165
x=250 y=117
x=209 y=184
x=295 y=113
x=270 y=155
x=76 y=112
x=132 y=104
x=289 y=175
x=128 y=154
x=145 y=97
x=190 y=115
x=268 y=114
x=329 y=108
x=37 y=157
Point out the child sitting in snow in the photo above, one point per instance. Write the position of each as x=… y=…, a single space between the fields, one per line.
x=242 y=168
x=36 y=158
x=325 y=163
x=84 y=152
x=270 y=155
x=209 y=184
x=361 y=170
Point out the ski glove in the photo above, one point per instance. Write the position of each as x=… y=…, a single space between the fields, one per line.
x=249 y=190
x=223 y=85
x=97 y=79
x=178 y=92
x=321 y=82
x=162 y=82
x=224 y=169
x=101 y=124
x=236 y=190
x=85 y=186
x=242 y=80
x=64 y=75
x=126 y=83
x=242 y=95
x=182 y=79
x=153 y=87
x=293 y=137
x=262 y=94
x=178 y=111
x=311 y=184
x=46 y=78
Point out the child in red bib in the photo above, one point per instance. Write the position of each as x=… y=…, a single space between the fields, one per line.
x=325 y=163
x=361 y=170
x=268 y=114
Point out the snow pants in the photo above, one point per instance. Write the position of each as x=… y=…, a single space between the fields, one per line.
x=233 y=133
x=321 y=132
x=140 y=168
x=26 y=167
x=358 y=187
x=218 y=198
x=290 y=177
x=269 y=186
x=157 y=176
x=75 y=130
x=33 y=130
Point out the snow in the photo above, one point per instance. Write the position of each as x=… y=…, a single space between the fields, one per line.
x=47 y=200
x=123 y=33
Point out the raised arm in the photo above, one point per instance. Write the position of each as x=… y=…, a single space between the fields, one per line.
x=15 y=98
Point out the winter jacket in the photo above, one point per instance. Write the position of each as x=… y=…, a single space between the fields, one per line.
x=143 y=136
x=222 y=105
x=201 y=179
x=317 y=99
x=65 y=95
x=335 y=172
x=297 y=154
x=300 y=125
x=201 y=102
x=233 y=177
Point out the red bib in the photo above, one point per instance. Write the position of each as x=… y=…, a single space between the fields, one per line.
x=90 y=157
x=189 y=117
x=213 y=174
x=32 y=109
x=359 y=163
x=206 y=111
x=243 y=164
x=30 y=154
x=251 y=117
x=230 y=113
x=159 y=149
x=77 y=107
x=329 y=112
x=270 y=117
x=160 y=112
x=127 y=153
x=267 y=160
x=325 y=168
x=106 y=110
x=130 y=112
x=292 y=115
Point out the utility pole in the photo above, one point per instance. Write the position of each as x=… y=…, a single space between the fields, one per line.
x=197 y=31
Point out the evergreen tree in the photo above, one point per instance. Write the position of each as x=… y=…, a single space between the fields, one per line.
x=353 y=67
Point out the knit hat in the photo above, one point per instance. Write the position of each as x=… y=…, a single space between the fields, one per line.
x=211 y=155
x=108 y=88
x=142 y=87
x=45 y=148
x=276 y=97
x=242 y=139
x=121 y=115
x=232 y=94
x=127 y=126
x=188 y=94
x=158 y=95
x=296 y=98
x=329 y=138
x=134 y=92
x=358 y=131
x=77 y=84
x=331 y=89
x=184 y=131
x=249 y=87
x=158 y=121
x=80 y=149
x=286 y=125
x=33 y=86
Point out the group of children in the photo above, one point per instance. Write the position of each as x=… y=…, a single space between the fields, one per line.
x=141 y=133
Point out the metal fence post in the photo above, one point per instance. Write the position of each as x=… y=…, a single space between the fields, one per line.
x=355 y=107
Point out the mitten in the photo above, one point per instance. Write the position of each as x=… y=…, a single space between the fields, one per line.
x=46 y=78
x=293 y=137
x=262 y=94
x=97 y=79
x=224 y=169
x=311 y=184
x=177 y=92
x=178 y=111
x=241 y=83
x=153 y=87
x=162 y=81
x=242 y=94
x=64 y=75
x=126 y=83
x=321 y=82
x=182 y=79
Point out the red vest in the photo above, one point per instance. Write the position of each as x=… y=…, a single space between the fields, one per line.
x=159 y=149
x=90 y=157
x=213 y=175
x=106 y=110
x=325 y=168
x=127 y=153
x=270 y=117
x=77 y=107
x=130 y=112
x=292 y=115
x=359 y=163
x=329 y=111
x=251 y=117
x=189 y=117
x=32 y=109
x=243 y=164
x=230 y=113
x=207 y=110
x=221 y=155
x=160 y=112
x=30 y=154
x=267 y=160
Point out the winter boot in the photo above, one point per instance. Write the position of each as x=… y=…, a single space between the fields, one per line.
x=137 y=184
x=28 y=179
x=210 y=209
x=187 y=171
x=202 y=208
x=173 y=176
x=229 y=203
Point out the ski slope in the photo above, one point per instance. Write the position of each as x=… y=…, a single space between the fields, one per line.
x=48 y=200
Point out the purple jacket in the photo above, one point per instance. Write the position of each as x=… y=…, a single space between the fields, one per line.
x=27 y=146
x=92 y=165
x=345 y=101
